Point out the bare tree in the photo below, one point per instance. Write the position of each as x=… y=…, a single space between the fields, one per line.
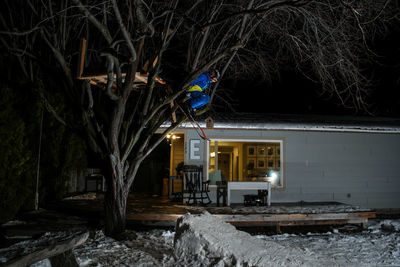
x=132 y=40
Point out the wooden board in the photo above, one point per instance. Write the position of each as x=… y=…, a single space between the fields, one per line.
x=252 y=220
x=102 y=78
x=81 y=60
x=43 y=250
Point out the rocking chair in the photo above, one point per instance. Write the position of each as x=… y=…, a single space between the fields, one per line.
x=195 y=188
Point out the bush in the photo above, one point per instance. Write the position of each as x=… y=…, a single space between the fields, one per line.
x=61 y=151
x=17 y=168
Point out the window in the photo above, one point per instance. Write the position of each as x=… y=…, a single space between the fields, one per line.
x=237 y=160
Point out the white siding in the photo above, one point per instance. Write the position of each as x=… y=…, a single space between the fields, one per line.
x=354 y=168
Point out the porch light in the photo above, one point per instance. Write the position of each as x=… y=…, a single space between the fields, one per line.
x=212 y=154
x=172 y=136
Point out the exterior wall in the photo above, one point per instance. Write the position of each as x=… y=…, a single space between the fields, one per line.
x=353 y=168
x=196 y=156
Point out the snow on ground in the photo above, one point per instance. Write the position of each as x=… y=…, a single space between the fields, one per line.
x=150 y=248
x=378 y=245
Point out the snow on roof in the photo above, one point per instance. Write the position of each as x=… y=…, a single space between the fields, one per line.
x=292 y=122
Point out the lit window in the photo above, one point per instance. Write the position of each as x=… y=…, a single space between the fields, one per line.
x=246 y=161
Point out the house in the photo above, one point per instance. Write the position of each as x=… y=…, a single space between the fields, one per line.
x=352 y=160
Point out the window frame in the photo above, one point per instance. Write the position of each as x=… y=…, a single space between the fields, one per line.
x=281 y=142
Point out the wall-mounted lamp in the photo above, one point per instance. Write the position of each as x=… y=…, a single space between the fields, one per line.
x=172 y=136
x=212 y=154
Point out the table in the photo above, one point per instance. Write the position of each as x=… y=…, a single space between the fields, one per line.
x=249 y=186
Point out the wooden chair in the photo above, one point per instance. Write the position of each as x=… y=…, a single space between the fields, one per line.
x=195 y=188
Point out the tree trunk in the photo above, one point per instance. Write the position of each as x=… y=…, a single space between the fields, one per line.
x=115 y=204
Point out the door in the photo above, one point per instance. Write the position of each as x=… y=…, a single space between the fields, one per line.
x=224 y=164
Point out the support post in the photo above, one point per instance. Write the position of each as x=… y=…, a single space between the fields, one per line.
x=38 y=163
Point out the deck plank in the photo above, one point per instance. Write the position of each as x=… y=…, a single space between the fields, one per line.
x=253 y=220
x=161 y=211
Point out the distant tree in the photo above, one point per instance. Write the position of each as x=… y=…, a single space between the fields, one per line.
x=178 y=40
x=15 y=158
x=61 y=149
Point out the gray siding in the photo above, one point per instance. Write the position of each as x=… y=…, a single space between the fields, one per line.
x=354 y=168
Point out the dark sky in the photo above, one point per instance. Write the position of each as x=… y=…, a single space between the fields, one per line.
x=294 y=94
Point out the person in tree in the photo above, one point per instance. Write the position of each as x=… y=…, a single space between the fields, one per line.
x=195 y=93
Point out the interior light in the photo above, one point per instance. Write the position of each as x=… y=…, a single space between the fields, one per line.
x=273 y=176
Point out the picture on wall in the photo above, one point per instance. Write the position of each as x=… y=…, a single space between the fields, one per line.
x=251 y=151
x=251 y=163
x=261 y=152
x=261 y=163
x=271 y=150
x=271 y=163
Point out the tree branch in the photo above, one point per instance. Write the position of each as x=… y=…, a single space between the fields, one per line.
x=125 y=33
x=209 y=64
x=50 y=108
x=240 y=35
x=61 y=60
x=20 y=33
x=293 y=3
x=102 y=28
x=203 y=40
x=110 y=78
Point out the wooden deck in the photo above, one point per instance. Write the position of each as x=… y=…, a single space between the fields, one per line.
x=278 y=215
x=148 y=211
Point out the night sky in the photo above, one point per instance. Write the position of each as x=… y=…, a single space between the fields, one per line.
x=294 y=94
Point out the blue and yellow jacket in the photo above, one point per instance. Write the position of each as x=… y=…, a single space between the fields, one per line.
x=200 y=84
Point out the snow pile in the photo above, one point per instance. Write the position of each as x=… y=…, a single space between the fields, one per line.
x=207 y=239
